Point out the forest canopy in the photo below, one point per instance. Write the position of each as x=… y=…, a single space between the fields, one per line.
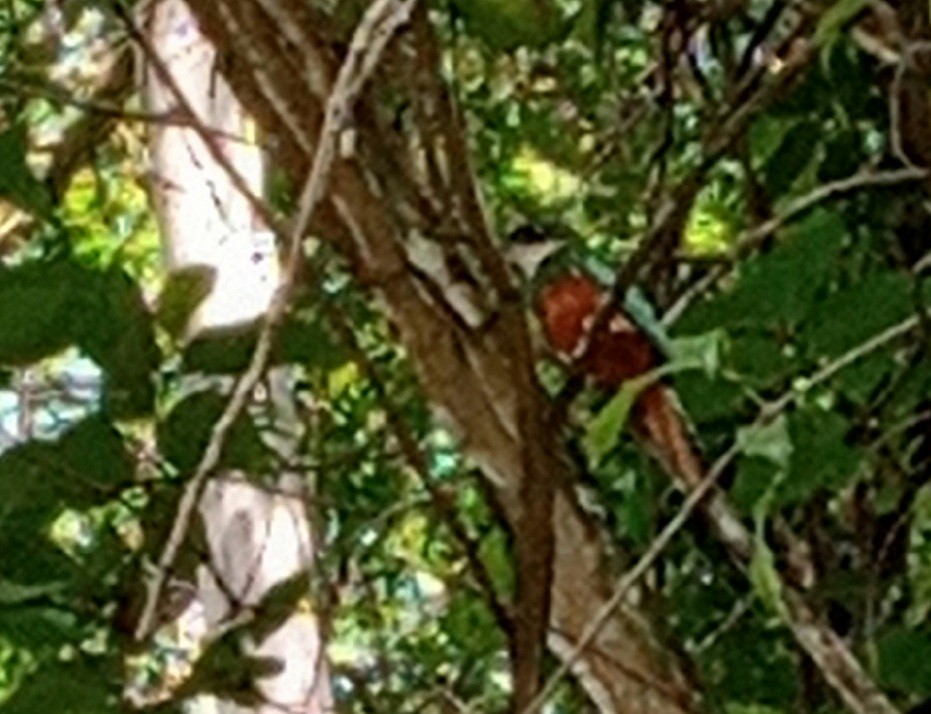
x=677 y=466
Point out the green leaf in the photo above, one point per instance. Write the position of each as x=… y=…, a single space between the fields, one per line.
x=918 y=560
x=637 y=509
x=94 y=452
x=764 y=576
x=493 y=551
x=794 y=153
x=753 y=481
x=704 y=352
x=821 y=458
x=35 y=302
x=278 y=604
x=17 y=183
x=470 y=625
x=46 y=306
x=225 y=670
x=508 y=24
x=759 y=359
x=66 y=689
x=221 y=353
x=835 y=18
x=184 y=434
x=770 y=441
x=41 y=629
x=184 y=291
x=905 y=661
x=309 y=343
x=851 y=316
x=777 y=288
x=114 y=327
x=709 y=400
x=87 y=465
x=605 y=428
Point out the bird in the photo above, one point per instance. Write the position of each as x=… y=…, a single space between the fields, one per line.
x=600 y=341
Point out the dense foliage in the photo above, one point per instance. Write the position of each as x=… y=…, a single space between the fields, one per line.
x=581 y=116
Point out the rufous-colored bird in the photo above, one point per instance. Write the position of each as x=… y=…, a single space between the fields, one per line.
x=598 y=339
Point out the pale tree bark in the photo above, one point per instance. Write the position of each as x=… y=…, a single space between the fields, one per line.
x=388 y=194
x=256 y=537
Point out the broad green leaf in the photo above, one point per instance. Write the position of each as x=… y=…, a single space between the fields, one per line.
x=114 y=327
x=919 y=558
x=794 y=153
x=310 y=343
x=85 y=466
x=184 y=434
x=709 y=400
x=470 y=625
x=228 y=353
x=764 y=576
x=18 y=185
x=770 y=441
x=853 y=315
x=12 y=593
x=508 y=24
x=184 y=291
x=637 y=510
x=35 y=310
x=41 y=628
x=704 y=352
x=835 y=18
x=46 y=306
x=605 y=428
x=342 y=378
x=754 y=479
x=279 y=603
x=225 y=670
x=711 y=225
x=66 y=689
x=777 y=288
x=821 y=457
x=905 y=661
x=94 y=452
x=759 y=360
x=493 y=551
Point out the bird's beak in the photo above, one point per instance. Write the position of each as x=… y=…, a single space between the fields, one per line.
x=527 y=257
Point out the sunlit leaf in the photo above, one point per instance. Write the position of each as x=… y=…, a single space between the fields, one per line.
x=605 y=428
x=770 y=441
x=835 y=18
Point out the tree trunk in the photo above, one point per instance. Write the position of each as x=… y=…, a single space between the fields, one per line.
x=279 y=63
x=256 y=537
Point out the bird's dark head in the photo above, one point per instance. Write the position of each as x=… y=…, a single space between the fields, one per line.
x=535 y=253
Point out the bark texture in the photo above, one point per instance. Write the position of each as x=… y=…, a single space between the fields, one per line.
x=405 y=208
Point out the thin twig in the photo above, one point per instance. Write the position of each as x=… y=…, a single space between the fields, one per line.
x=60 y=95
x=369 y=42
x=766 y=414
